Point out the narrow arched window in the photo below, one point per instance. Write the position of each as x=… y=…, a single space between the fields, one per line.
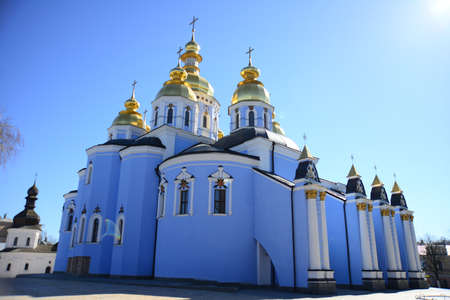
x=8 y=267
x=170 y=115
x=251 y=118
x=26 y=266
x=155 y=122
x=237 y=120
x=219 y=197
x=205 y=121
x=120 y=233
x=83 y=221
x=94 y=237
x=265 y=120
x=184 y=197
x=162 y=201
x=186 y=118
x=28 y=241
x=72 y=243
x=16 y=240
x=69 y=221
x=89 y=173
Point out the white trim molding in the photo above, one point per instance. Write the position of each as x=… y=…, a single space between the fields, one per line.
x=162 y=197
x=225 y=179
x=183 y=178
x=141 y=150
x=90 y=228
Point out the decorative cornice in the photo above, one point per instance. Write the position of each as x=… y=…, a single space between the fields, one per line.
x=405 y=217
x=385 y=212
x=392 y=213
x=141 y=150
x=369 y=207
x=322 y=196
x=103 y=148
x=361 y=206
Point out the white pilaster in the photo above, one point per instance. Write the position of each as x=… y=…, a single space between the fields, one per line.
x=395 y=237
x=388 y=240
x=409 y=249
x=313 y=231
x=413 y=236
x=364 y=237
x=325 y=254
x=373 y=244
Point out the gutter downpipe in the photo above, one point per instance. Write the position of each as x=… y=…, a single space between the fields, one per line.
x=348 y=251
x=293 y=238
x=156 y=225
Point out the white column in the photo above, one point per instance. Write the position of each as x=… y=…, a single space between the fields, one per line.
x=313 y=231
x=413 y=237
x=325 y=254
x=396 y=244
x=408 y=242
x=388 y=239
x=373 y=243
x=364 y=237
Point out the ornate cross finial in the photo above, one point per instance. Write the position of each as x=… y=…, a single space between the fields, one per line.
x=35 y=178
x=395 y=176
x=352 y=158
x=194 y=19
x=134 y=87
x=179 y=55
x=375 y=167
x=249 y=52
x=145 y=116
x=304 y=137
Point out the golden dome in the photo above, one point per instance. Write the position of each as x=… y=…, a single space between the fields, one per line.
x=220 y=134
x=177 y=85
x=130 y=116
x=250 y=89
x=277 y=128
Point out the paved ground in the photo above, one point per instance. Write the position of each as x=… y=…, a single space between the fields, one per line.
x=27 y=288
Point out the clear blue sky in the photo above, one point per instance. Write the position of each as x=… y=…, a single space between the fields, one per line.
x=370 y=78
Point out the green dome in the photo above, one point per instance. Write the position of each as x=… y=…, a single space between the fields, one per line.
x=180 y=90
x=200 y=84
x=251 y=92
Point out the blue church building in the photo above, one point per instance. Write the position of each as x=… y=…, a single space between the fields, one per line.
x=181 y=200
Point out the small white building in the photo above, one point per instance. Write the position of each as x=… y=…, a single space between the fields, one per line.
x=24 y=252
x=5 y=223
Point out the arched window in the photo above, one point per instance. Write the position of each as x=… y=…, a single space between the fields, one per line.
x=81 y=233
x=8 y=267
x=170 y=115
x=28 y=241
x=237 y=120
x=205 y=121
x=94 y=236
x=251 y=118
x=89 y=173
x=162 y=199
x=187 y=115
x=155 y=121
x=72 y=243
x=69 y=220
x=16 y=240
x=119 y=231
x=26 y=266
x=265 y=120
x=220 y=197
x=184 y=197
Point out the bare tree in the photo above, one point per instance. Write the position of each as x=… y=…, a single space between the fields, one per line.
x=435 y=251
x=10 y=139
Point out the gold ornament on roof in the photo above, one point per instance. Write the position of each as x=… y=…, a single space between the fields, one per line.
x=353 y=172
x=396 y=189
x=305 y=153
x=377 y=181
x=130 y=116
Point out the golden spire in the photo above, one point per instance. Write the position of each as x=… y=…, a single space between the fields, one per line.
x=305 y=153
x=194 y=19
x=396 y=189
x=353 y=172
x=377 y=181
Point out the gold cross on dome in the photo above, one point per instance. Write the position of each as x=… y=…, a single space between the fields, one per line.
x=194 y=19
x=134 y=83
x=249 y=52
x=179 y=55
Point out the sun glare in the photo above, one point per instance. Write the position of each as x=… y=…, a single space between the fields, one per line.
x=439 y=8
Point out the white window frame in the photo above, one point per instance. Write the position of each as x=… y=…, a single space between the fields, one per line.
x=91 y=227
x=80 y=236
x=89 y=170
x=237 y=120
x=184 y=175
x=118 y=233
x=188 y=110
x=228 y=179
x=208 y=120
x=162 y=200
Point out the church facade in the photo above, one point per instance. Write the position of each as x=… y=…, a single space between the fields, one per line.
x=184 y=201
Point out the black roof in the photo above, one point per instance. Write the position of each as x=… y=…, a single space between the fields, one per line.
x=247 y=133
x=276 y=177
x=379 y=193
x=355 y=185
x=398 y=200
x=207 y=148
x=302 y=170
x=146 y=141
